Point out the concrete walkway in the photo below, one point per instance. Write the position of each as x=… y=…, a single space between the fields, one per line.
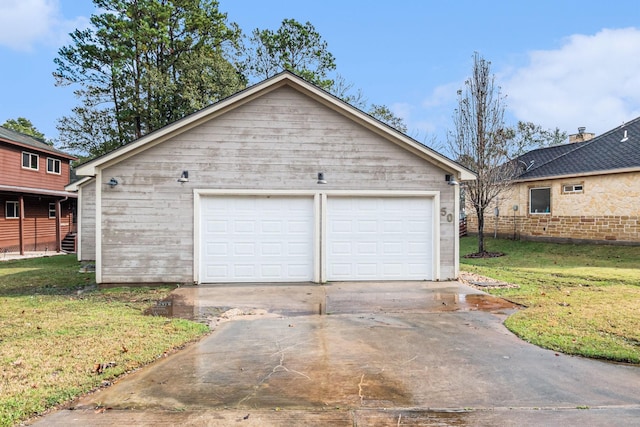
x=365 y=354
x=9 y=256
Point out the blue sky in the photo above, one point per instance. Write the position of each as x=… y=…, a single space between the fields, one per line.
x=560 y=63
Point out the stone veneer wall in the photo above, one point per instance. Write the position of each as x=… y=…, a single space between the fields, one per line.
x=601 y=229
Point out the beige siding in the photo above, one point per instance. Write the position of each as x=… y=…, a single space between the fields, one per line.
x=87 y=214
x=279 y=141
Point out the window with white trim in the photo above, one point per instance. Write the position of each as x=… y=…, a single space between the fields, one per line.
x=52 y=210
x=572 y=188
x=11 y=210
x=30 y=161
x=540 y=200
x=53 y=165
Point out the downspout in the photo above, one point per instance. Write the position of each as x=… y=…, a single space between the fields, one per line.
x=58 y=224
x=21 y=223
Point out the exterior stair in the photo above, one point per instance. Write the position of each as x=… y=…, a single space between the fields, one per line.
x=69 y=243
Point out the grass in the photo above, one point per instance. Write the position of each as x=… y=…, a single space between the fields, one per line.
x=580 y=299
x=59 y=340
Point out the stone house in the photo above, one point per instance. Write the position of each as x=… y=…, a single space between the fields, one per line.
x=585 y=191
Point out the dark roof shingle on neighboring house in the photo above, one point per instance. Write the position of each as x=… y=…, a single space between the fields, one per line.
x=12 y=136
x=618 y=148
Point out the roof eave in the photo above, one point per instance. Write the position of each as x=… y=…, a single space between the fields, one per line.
x=579 y=174
x=37 y=191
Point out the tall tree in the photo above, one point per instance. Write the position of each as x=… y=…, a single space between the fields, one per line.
x=143 y=64
x=529 y=136
x=25 y=126
x=385 y=115
x=481 y=141
x=296 y=47
x=300 y=49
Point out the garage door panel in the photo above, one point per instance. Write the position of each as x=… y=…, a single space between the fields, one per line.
x=392 y=248
x=214 y=271
x=216 y=227
x=268 y=248
x=271 y=227
x=244 y=271
x=378 y=238
x=297 y=249
x=271 y=271
x=256 y=238
x=417 y=248
x=392 y=269
x=299 y=228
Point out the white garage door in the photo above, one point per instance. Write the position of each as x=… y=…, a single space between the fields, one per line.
x=370 y=238
x=256 y=239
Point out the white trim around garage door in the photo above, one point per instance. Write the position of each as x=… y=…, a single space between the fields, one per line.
x=320 y=223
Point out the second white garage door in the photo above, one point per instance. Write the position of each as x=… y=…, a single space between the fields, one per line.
x=379 y=238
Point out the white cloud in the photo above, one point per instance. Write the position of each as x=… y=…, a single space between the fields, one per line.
x=26 y=23
x=443 y=95
x=402 y=110
x=591 y=81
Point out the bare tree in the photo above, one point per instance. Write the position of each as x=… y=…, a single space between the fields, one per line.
x=481 y=141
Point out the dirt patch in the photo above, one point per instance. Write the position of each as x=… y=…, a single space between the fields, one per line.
x=481 y=282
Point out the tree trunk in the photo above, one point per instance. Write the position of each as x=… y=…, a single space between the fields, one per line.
x=480 y=213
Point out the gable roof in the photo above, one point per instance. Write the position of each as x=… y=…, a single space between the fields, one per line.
x=617 y=150
x=29 y=142
x=285 y=78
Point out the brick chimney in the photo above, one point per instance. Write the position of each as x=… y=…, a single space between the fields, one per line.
x=581 y=136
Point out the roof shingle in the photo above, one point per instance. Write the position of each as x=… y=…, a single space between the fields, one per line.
x=13 y=136
x=618 y=148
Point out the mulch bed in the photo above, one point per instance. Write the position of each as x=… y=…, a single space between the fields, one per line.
x=484 y=255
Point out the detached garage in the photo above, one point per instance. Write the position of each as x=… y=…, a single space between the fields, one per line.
x=280 y=183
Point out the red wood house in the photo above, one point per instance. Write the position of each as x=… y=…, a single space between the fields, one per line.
x=37 y=213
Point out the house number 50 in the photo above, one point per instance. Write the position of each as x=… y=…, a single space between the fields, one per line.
x=443 y=212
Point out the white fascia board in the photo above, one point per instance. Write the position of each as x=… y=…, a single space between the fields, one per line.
x=75 y=186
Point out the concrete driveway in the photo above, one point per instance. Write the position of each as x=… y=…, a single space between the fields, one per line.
x=365 y=354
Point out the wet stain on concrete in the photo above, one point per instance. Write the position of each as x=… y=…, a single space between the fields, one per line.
x=413 y=418
x=180 y=307
x=173 y=306
x=481 y=302
x=187 y=306
x=380 y=391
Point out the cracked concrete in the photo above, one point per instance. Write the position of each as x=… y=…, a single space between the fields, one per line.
x=410 y=353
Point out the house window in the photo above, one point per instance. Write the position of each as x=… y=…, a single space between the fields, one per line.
x=572 y=188
x=53 y=165
x=540 y=200
x=52 y=210
x=29 y=161
x=11 y=210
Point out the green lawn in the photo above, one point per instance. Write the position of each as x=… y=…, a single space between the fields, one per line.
x=54 y=334
x=579 y=299
x=582 y=300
